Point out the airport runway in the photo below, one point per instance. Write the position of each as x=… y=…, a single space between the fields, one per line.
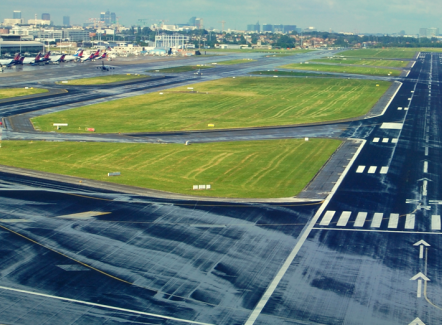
x=368 y=254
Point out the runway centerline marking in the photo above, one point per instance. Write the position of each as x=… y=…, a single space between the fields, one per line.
x=392 y=126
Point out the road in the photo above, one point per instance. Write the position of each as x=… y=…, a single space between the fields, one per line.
x=367 y=254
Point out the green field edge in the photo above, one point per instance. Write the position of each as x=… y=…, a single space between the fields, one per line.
x=104 y=80
x=308 y=169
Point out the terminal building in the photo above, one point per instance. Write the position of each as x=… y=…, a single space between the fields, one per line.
x=9 y=48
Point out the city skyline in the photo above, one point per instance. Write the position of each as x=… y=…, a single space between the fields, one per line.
x=339 y=15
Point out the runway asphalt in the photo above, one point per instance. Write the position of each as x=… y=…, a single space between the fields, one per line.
x=77 y=255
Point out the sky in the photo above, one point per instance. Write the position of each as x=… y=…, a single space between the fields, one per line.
x=360 y=16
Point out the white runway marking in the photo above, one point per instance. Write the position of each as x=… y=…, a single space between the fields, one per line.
x=327 y=218
x=377 y=220
x=425 y=166
x=424 y=188
x=376 y=139
x=15 y=220
x=426 y=151
x=103 y=306
x=393 y=221
x=360 y=219
x=304 y=235
x=378 y=230
x=393 y=126
x=385 y=140
x=405 y=108
x=394 y=140
x=409 y=221
x=360 y=169
x=343 y=219
x=83 y=215
x=399 y=108
x=384 y=170
x=372 y=169
x=435 y=222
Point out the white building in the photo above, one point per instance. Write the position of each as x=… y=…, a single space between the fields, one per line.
x=12 y=22
x=39 y=22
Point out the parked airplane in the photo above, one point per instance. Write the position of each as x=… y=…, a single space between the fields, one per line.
x=75 y=57
x=103 y=56
x=91 y=56
x=10 y=62
x=31 y=60
x=45 y=59
x=57 y=59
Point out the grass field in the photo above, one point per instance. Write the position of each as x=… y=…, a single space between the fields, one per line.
x=232 y=62
x=393 y=53
x=184 y=68
x=369 y=62
x=255 y=169
x=272 y=51
x=290 y=73
x=104 y=79
x=16 y=92
x=343 y=69
x=226 y=103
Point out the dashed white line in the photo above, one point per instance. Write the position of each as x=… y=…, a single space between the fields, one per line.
x=376 y=139
x=384 y=170
x=327 y=218
x=372 y=169
x=425 y=166
x=377 y=220
x=360 y=219
x=435 y=222
x=409 y=221
x=385 y=140
x=395 y=140
x=360 y=169
x=393 y=221
x=343 y=219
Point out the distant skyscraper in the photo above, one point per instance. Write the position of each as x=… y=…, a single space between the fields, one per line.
x=432 y=32
x=45 y=16
x=66 y=21
x=267 y=28
x=199 y=23
x=422 y=32
x=192 y=21
x=113 y=18
x=289 y=28
x=105 y=16
x=278 y=28
x=16 y=14
x=254 y=28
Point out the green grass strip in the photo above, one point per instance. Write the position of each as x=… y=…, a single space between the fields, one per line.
x=255 y=169
x=184 y=68
x=368 y=62
x=17 y=92
x=226 y=103
x=104 y=79
x=343 y=69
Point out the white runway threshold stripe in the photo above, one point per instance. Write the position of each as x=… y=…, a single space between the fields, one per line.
x=343 y=219
x=392 y=126
x=327 y=218
x=360 y=169
x=103 y=306
x=435 y=222
x=301 y=240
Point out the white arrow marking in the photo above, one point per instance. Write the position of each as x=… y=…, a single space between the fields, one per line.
x=417 y=321
x=421 y=244
x=424 y=179
x=419 y=278
x=420 y=275
x=412 y=201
